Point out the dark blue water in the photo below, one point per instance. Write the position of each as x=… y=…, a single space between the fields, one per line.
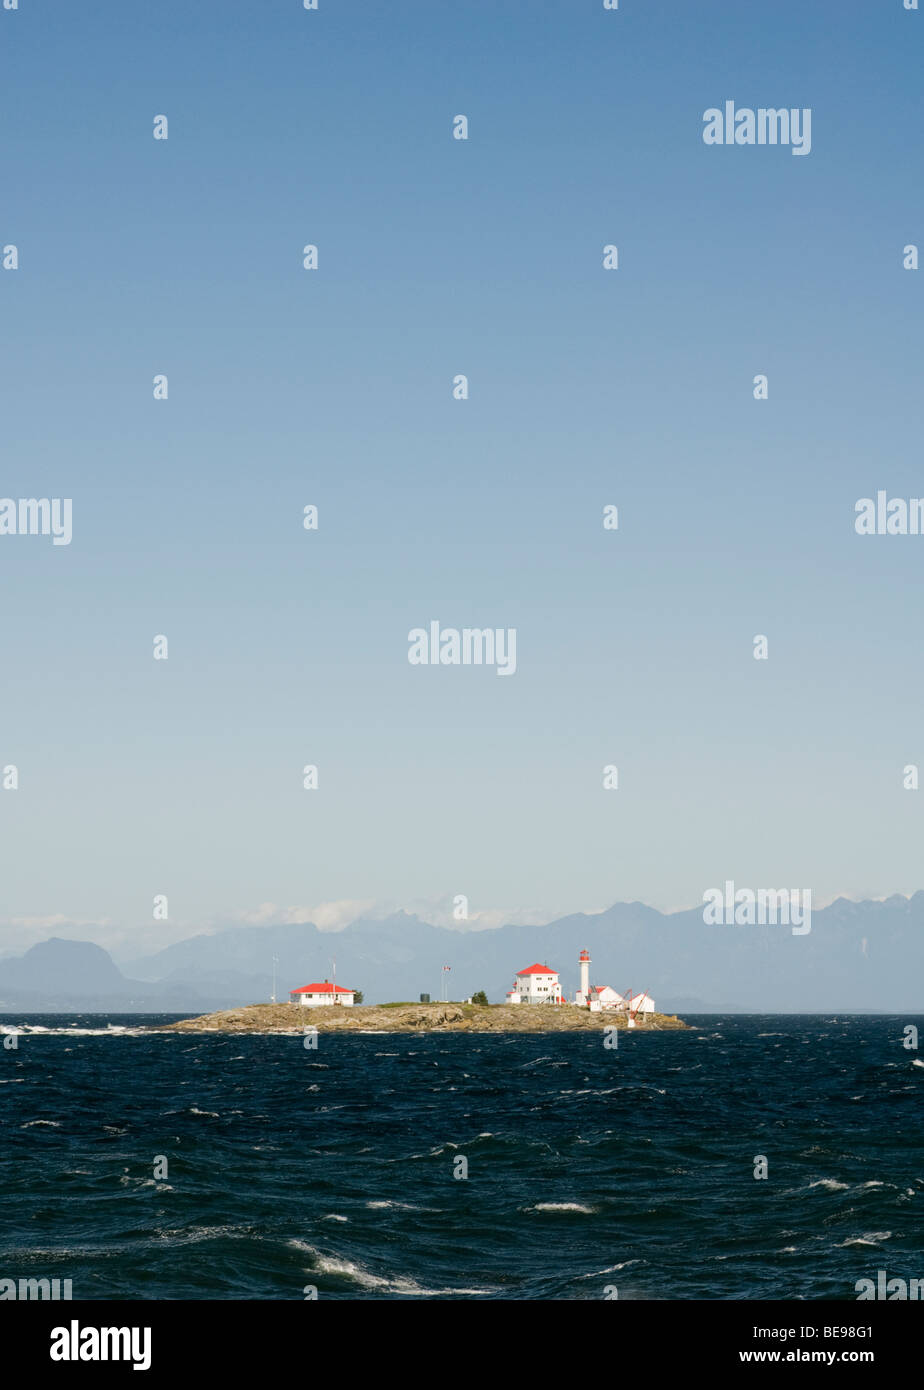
x=587 y=1168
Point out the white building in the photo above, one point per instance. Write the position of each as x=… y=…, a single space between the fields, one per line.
x=599 y=997
x=537 y=984
x=640 y=1003
x=606 y=997
x=318 y=995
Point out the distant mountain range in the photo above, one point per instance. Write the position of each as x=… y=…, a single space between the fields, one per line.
x=858 y=957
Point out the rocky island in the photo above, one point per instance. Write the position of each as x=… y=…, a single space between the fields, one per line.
x=419 y=1018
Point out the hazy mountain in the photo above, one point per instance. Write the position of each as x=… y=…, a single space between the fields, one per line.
x=56 y=966
x=77 y=975
x=858 y=956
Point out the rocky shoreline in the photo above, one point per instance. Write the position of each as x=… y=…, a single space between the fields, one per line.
x=418 y=1018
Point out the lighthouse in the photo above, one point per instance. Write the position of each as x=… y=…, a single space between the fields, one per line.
x=584 y=991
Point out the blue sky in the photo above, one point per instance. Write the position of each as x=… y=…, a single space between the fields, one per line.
x=333 y=387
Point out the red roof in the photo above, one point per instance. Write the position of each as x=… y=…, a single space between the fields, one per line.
x=537 y=970
x=325 y=988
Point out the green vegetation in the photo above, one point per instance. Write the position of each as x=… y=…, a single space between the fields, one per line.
x=479 y=997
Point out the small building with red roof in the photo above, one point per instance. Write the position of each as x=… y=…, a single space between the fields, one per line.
x=317 y=995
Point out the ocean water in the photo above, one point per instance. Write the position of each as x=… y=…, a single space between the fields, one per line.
x=588 y=1169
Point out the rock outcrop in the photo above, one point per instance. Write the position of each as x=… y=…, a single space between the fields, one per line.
x=415 y=1018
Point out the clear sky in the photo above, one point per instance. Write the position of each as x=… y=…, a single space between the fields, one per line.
x=333 y=387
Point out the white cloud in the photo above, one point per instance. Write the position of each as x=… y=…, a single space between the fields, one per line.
x=55 y=920
x=440 y=912
x=332 y=916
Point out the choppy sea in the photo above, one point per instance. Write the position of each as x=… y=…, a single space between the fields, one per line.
x=189 y=1166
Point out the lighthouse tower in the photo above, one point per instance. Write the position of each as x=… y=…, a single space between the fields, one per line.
x=583 y=993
